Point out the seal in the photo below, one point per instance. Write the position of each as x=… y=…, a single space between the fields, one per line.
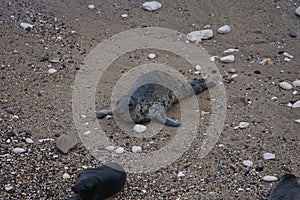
x=288 y=188
x=99 y=183
x=151 y=95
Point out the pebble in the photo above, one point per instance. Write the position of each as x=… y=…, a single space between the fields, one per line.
x=139 y=128
x=91 y=6
x=224 y=29
x=244 y=124
x=54 y=60
x=297 y=121
x=13 y=110
x=15 y=51
x=274 y=98
x=120 y=150
x=294 y=92
x=234 y=76
x=266 y=61
x=248 y=163
x=52 y=71
x=285 y=85
x=286 y=59
x=151 y=5
x=28 y=140
x=296 y=104
x=292 y=34
x=231 y=50
x=8 y=187
x=227 y=59
x=288 y=55
x=270 y=178
x=151 y=55
x=231 y=71
x=18 y=150
x=197 y=36
x=26 y=26
x=257 y=71
x=198 y=67
x=213 y=58
x=110 y=148
x=268 y=156
x=136 y=149
x=124 y=15
x=66 y=176
x=180 y=174
x=296 y=83
x=297 y=11
x=66 y=142
x=46 y=140
x=258 y=31
x=259 y=168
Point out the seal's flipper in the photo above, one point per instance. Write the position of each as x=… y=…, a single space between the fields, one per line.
x=199 y=85
x=103 y=113
x=157 y=112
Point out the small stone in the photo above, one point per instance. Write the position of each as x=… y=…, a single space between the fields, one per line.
x=91 y=6
x=198 y=36
x=18 y=150
x=139 y=128
x=234 y=76
x=66 y=176
x=15 y=51
x=224 y=29
x=46 y=140
x=231 y=71
x=198 y=68
x=257 y=71
x=110 y=148
x=259 y=168
x=296 y=83
x=8 y=187
x=297 y=11
x=54 y=60
x=296 y=104
x=297 y=121
x=270 y=178
x=227 y=59
x=268 y=156
x=180 y=174
x=124 y=15
x=292 y=34
x=286 y=59
x=13 y=110
x=285 y=85
x=231 y=50
x=258 y=31
x=288 y=55
x=274 y=98
x=248 y=163
x=151 y=5
x=28 y=140
x=151 y=55
x=294 y=92
x=119 y=150
x=26 y=26
x=136 y=149
x=244 y=124
x=52 y=71
x=66 y=142
x=213 y=58
x=266 y=61
x=8 y=141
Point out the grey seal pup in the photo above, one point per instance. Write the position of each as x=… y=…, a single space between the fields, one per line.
x=151 y=95
x=99 y=183
x=288 y=188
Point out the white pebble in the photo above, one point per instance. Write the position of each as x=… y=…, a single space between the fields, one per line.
x=248 y=163
x=119 y=150
x=139 y=128
x=26 y=26
x=180 y=174
x=297 y=121
x=52 y=71
x=297 y=11
x=244 y=124
x=234 y=76
x=290 y=105
x=288 y=55
x=295 y=92
x=198 y=67
x=227 y=59
x=224 y=29
x=8 y=187
x=28 y=140
x=15 y=51
x=268 y=156
x=87 y=132
x=285 y=85
x=66 y=176
x=8 y=141
x=91 y=7
x=296 y=83
x=286 y=59
x=230 y=50
x=151 y=5
x=124 y=15
x=110 y=148
x=296 y=104
x=136 y=149
x=274 y=98
x=270 y=178
x=151 y=55
x=213 y=58
x=197 y=36
x=18 y=150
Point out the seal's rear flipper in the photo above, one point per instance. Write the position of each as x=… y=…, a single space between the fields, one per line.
x=103 y=113
x=157 y=112
x=199 y=85
x=171 y=122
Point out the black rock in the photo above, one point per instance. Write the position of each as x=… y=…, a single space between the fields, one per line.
x=99 y=183
x=257 y=72
x=288 y=188
x=259 y=168
x=13 y=110
x=292 y=34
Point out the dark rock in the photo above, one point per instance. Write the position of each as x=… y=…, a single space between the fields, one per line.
x=259 y=168
x=258 y=31
x=257 y=72
x=292 y=34
x=13 y=110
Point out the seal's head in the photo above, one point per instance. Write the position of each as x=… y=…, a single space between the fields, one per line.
x=86 y=187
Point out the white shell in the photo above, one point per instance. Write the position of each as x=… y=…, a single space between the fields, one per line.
x=52 y=71
x=231 y=50
x=227 y=59
x=244 y=124
x=66 y=176
x=91 y=7
x=151 y=55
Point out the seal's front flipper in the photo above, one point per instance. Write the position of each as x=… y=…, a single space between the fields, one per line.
x=199 y=85
x=103 y=113
x=157 y=112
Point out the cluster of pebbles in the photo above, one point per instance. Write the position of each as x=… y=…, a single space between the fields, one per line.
x=38 y=165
